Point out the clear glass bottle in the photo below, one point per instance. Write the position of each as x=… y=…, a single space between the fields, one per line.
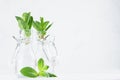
x=46 y=49
x=24 y=54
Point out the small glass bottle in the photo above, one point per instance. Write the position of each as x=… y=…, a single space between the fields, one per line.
x=46 y=49
x=24 y=54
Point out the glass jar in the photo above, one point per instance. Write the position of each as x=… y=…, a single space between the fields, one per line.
x=24 y=54
x=46 y=49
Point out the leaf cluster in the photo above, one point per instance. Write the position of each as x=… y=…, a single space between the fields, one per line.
x=42 y=27
x=25 y=23
x=32 y=73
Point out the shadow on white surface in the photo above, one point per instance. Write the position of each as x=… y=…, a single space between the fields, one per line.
x=101 y=76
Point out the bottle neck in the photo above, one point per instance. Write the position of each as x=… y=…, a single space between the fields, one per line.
x=47 y=39
x=27 y=41
x=23 y=38
x=42 y=36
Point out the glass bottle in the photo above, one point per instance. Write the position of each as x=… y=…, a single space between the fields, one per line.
x=46 y=49
x=24 y=55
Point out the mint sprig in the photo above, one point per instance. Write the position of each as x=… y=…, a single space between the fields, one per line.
x=42 y=27
x=25 y=23
x=32 y=73
x=29 y=72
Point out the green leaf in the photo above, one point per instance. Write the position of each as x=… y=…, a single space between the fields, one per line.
x=45 y=68
x=22 y=24
x=41 y=20
x=51 y=75
x=38 y=23
x=48 y=27
x=40 y=64
x=45 y=25
x=25 y=23
x=30 y=22
x=44 y=74
x=43 y=33
x=35 y=26
x=19 y=19
x=39 y=26
x=26 y=16
x=27 y=33
x=29 y=72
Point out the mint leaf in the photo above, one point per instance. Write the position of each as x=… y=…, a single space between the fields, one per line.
x=51 y=75
x=19 y=19
x=22 y=24
x=30 y=22
x=40 y=64
x=41 y=26
x=44 y=74
x=26 y=16
x=35 y=25
x=45 y=68
x=25 y=23
x=42 y=20
x=27 y=33
x=29 y=72
x=45 y=25
x=48 y=27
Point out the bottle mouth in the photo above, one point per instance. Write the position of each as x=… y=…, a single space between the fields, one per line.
x=25 y=40
x=46 y=37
